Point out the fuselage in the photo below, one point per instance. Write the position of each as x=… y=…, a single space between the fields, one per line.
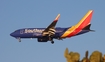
x=37 y=33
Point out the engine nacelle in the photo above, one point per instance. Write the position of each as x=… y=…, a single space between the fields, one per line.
x=42 y=39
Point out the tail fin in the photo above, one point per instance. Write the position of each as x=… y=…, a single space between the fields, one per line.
x=85 y=20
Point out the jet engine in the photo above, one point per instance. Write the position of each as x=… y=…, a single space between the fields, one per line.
x=42 y=39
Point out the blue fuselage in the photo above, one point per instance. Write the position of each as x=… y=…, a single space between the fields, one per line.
x=37 y=32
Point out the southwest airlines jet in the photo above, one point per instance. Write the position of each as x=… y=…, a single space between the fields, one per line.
x=52 y=32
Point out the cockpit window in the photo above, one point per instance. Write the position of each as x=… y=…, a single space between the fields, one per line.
x=16 y=30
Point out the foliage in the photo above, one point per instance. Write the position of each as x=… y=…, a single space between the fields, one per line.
x=96 y=56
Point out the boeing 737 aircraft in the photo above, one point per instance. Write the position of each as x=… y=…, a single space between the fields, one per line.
x=52 y=32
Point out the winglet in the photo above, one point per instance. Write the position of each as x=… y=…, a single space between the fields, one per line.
x=56 y=19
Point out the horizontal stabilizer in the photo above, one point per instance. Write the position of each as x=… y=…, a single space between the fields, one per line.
x=88 y=28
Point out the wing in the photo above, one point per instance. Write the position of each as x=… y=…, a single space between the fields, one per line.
x=85 y=21
x=51 y=28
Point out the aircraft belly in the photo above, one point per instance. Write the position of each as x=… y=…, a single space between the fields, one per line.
x=57 y=35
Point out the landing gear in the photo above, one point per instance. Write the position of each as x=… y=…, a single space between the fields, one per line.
x=19 y=39
x=51 y=39
x=52 y=42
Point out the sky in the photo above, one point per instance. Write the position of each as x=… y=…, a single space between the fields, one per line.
x=16 y=14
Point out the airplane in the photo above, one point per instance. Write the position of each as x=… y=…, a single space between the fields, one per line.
x=52 y=32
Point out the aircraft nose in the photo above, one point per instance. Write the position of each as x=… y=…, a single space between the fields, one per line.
x=12 y=34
